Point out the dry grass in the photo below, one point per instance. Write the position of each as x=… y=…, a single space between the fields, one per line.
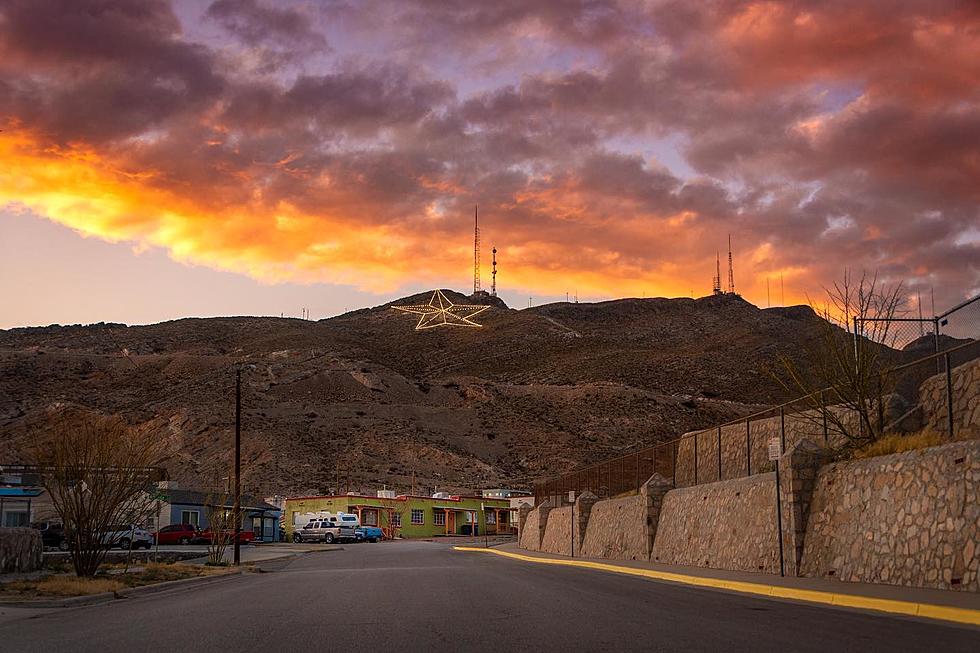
x=63 y=585
x=898 y=443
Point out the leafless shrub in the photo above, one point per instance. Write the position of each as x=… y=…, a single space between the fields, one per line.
x=99 y=472
x=845 y=365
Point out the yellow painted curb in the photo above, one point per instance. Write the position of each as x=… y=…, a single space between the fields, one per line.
x=892 y=606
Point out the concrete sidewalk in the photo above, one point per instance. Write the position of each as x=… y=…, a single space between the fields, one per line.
x=959 y=607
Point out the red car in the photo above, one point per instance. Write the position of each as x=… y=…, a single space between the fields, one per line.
x=244 y=537
x=178 y=534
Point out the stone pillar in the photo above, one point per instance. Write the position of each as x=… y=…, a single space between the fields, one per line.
x=654 y=490
x=581 y=512
x=523 y=511
x=798 y=473
x=20 y=550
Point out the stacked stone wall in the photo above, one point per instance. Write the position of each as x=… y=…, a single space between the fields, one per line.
x=725 y=525
x=966 y=400
x=558 y=532
x=744 y=456
x=20 y=550
x=618 y=529
x=905 y=519
x=530 y=531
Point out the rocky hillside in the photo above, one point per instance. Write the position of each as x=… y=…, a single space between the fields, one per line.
x=363 y=399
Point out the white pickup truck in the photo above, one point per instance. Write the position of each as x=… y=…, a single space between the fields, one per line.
x=326 y=527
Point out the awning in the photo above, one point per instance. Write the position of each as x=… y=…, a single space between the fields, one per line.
x=24 y=492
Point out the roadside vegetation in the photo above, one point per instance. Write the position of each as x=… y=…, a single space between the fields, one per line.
x=111 y=578
x=99 y=473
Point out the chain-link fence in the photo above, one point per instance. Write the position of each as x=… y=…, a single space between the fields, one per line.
x=933 y=394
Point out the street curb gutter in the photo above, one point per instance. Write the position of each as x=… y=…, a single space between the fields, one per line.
x=909 y=608
x=75 y=601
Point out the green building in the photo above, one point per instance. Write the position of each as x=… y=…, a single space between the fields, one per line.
x=408 y=516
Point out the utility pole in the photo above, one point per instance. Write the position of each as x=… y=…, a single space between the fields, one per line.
x=238 y=465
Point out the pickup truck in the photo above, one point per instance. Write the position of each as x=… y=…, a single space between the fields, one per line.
x=322 y=530
x=369 y=534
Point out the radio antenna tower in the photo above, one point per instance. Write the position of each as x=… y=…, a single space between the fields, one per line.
x=493 y=278
x=716 y=280
x=731 y=270
x=476 y=249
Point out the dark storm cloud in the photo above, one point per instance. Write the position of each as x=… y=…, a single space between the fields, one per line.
x=821 y=134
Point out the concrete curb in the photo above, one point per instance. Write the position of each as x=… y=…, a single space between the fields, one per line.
x=74 y=601
x=966 y=616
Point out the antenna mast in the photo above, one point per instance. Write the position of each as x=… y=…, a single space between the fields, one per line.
x=476 y=249
x=731 y=270
x=716 y=280
x=493 y=280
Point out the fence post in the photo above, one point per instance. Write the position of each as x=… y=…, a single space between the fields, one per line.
x=695 y=458
x=949 y=394
x=782 y=428
x=823 y=402
x=748 y=449
x=637 y=479
x=935 y=337
x=719 y=453
x=673 y=469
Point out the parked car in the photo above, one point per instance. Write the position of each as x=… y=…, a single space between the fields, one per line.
x=52 y=535
x=178 y=534
x=244 y=537
x=126 y=535
x=369 y=534
x=322 y=530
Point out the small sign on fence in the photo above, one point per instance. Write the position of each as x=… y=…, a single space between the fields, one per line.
x=775 y=448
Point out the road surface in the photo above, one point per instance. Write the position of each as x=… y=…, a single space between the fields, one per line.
x=423 y=596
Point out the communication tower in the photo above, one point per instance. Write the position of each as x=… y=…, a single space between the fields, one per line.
x=731 y=270
x=476 y=249
x=716 y=280
x=493 y=279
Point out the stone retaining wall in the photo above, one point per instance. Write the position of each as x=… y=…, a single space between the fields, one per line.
x=745 y=451
x=617 y=529
x=726 y=525
x=20 y=550
x=558 y=533
x=530 y=531
x=966 y=399
x=905 y=519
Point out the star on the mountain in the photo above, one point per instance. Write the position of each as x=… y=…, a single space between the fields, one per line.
x=442 y=312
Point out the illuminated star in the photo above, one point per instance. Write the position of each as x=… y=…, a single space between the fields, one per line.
x=442 y=312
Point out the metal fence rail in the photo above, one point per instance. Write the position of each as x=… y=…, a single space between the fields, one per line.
x=919 y=398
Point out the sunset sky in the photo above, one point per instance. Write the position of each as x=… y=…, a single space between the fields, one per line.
x=249 y=157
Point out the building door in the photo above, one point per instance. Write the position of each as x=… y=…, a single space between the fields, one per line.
x=451 y=522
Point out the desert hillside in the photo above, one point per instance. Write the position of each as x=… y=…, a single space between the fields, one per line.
x=363 y=399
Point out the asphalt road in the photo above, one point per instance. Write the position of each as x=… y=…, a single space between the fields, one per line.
x=423 y=596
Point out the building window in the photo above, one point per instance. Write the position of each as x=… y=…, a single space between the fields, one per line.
x=370 y=517
x=396 y=519
x=418 y=516
x=490 y=517
x=440 y=518
x=192 y=517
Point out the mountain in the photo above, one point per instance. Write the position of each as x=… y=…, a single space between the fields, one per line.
x=364 y=399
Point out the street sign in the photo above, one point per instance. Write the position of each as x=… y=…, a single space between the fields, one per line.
x=775 y=448
x=571 y=496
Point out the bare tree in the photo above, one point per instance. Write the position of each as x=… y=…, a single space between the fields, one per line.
x=844 y=380
x=99 y=472
x=219 y=506
x=221 y=523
